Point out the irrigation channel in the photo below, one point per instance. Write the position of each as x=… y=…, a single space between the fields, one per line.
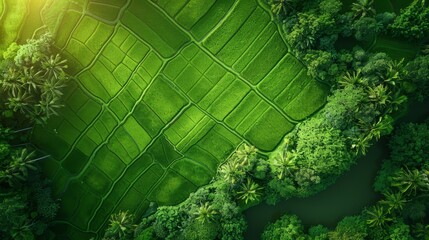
x=348 y=196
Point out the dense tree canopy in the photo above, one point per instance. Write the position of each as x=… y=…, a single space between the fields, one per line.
x=368 y=92
x=32 y=80
x=289 y=227
x=417 y=75
x=413 y=21
x=31 y=84
x=26 y=204
x=410 y=145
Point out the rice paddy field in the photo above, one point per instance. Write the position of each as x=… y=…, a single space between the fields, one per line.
x=162 y=92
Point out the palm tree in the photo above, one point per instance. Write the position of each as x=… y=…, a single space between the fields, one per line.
x=393 y=201
x=384 y=125
x=282 y=6
x=353 y=78
x=361 y=144
x=120 y=225
x=205 y=213
x=377 y=216
x=54 y=76
x=249 y=191
x=378 y=94
x=363 y=8
x=22 y=230
x=306 y=42
x=422 y=231
x=54 y=67
x=10 y=81
x=409 y=182
x=17 y=170
x=284 y=163
x=48 y=105
x=393 y=72
x=231 y=172
x=396 y=100
x=52 y=87
x=30 y=80
x=19 y=101
x=244 y=154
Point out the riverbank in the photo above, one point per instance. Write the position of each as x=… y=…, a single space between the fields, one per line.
x=348 y=196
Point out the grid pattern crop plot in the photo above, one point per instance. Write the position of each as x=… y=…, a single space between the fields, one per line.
x=164 y=91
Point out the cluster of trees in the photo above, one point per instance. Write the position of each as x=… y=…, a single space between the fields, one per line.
x=399 y=215
x=316 y=30
x=417 y=76
x=31 y=84
x=213 y=211
x=370 y=90
x=32 y=81
x=26 y=203
x=412 y=23
x=312 y=156
x=358 y=113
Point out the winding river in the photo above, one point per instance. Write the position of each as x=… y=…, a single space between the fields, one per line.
x=348 y=196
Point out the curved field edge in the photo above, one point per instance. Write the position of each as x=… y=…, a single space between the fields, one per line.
x=99 y=105
x=162 y=77
x=13 y=13
x=162 y=102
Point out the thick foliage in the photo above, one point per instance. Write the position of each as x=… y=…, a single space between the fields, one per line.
x=26 y=204
x=410 y=145
x=288 y=227
x=356 y=114
x=417 y=74
x=353 y=227
x=413 y=21
x=213 y=211
x=368 y=90
x=32 y=80
x=322 y=148
x=400 y=214
x=30 y=88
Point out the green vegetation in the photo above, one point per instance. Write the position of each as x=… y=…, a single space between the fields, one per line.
x=400 y=214
x=362 y=108
x=319 y=30
x=120 y=226
x=412 y=22
x=162 y=94
x=312 y=156
x=206 y=108
x=287 y=228
x=26 y=203
x=11 y=19
x=31 y=86
x=32 y=81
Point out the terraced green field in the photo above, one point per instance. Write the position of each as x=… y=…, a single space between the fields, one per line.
x=163 y=92
x=12 y=13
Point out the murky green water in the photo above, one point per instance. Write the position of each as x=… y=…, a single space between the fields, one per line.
x=348 y=196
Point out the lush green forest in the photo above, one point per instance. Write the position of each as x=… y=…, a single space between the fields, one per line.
x=160 y=119
x=31 y=87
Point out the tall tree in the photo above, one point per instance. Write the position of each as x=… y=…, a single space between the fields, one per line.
x=377 y=216
x=410 y=181
x=249 y=191
x=33 y=80
x=120 y=226
x=393 y=201
x=363 y=8
x=205 y=212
